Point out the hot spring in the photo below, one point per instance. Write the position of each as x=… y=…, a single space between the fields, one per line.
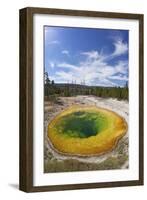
x=86 y=130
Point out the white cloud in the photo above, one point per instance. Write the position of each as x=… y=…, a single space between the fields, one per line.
x=66 y=52
x=64 y=75
x=95 y=68
x=91 y=54
x=105 y=82
x=120 y=48
x=52 y=64
x=67 y=66
x=119 y=77
x=93 y=72
x=54 y=42
x=122 y=67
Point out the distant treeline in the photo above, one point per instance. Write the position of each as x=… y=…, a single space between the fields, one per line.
x=53 y=90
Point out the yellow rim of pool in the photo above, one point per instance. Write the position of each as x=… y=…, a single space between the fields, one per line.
x=99 y=143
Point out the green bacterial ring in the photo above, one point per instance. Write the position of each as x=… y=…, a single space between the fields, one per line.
x=86 y=130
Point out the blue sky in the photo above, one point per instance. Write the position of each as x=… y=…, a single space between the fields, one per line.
x=94 y=56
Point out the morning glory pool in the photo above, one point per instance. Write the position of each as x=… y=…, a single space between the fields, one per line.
x=86 y=130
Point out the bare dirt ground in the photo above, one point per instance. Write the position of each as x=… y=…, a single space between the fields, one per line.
x=120 y=107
